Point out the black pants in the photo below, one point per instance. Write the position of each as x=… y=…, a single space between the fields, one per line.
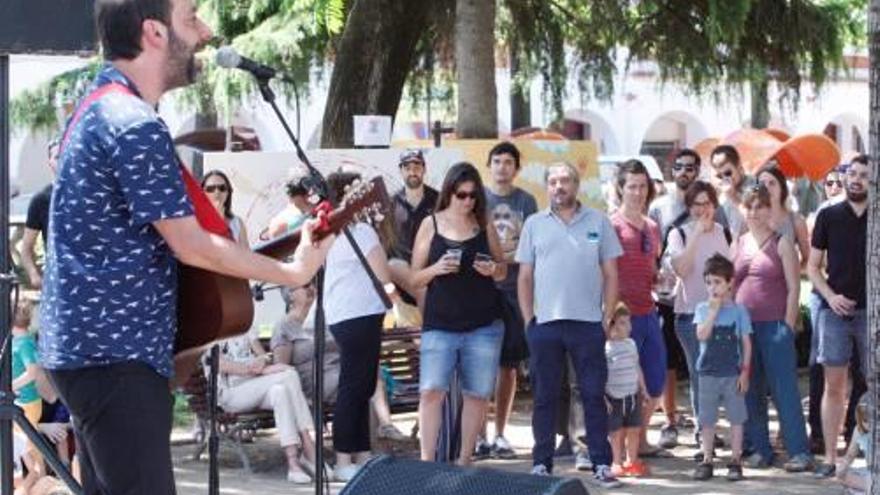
x=359 y=340
x=122 y=422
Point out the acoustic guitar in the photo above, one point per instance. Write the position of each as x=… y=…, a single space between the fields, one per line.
x=213 y=307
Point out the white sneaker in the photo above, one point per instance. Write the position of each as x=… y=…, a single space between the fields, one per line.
x=299 y=477
x=501 y=449
x=346 y=473
x=540 y=470
x=309 y=468
x=582 y=461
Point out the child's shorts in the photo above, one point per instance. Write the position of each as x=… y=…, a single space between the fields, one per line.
x=625 y=412
x=720 y=391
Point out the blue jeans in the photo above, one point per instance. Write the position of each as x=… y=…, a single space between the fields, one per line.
x=774 y=369
x=441 y=350
x=686 y=332
x=585 y=343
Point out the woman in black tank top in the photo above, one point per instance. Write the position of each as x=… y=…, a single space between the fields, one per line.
x=458 y=256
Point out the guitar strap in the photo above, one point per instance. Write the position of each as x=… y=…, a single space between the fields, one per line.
x=207 y=216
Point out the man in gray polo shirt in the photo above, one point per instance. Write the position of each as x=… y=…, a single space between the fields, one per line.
x=567 y=273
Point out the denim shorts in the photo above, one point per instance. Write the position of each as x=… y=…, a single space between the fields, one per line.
x=717 y=392
x=837 y=336
x=476 y=352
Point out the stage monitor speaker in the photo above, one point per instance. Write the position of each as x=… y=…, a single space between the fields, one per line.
x=386 y=475
x=47 y=26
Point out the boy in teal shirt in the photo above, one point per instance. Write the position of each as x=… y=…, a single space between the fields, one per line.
x=25 y=365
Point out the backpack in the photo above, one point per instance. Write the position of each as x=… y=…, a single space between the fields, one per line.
x=678 y=225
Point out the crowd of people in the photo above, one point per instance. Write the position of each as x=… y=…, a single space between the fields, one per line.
x=706 y=278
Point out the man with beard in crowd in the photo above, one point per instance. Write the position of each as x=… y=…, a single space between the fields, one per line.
x=567 y=287
x=121 y=217
x=412 y=203
x=840 y=238
x=730 y=179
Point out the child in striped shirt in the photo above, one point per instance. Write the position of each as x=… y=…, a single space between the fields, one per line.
x=624 y=392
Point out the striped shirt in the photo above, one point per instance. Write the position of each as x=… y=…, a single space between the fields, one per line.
x=623 y=368
x=638 y=265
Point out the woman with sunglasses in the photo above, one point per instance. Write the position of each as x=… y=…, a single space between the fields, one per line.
x=218 y=188
x=832 y=189
x=247 y=380
x=784 y=221
x=767 y=281
x=637 y=270
x=458 y=256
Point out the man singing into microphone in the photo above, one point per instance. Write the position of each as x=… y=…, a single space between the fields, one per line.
x=120 y=221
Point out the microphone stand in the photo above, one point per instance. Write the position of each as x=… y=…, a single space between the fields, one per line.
x=319 y=186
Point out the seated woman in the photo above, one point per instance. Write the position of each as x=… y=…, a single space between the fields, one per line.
x=247 y=382
x=293 y=343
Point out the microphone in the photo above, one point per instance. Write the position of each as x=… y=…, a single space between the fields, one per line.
x=229 y=58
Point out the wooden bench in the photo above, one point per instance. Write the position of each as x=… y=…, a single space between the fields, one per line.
x=399 y=353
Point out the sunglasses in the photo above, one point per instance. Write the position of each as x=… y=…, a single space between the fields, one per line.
x=463 y=195
x=724 y=175
x=833 y=182
x=687 y=167
x=218 y=187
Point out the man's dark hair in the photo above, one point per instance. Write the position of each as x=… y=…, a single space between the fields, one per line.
x=863 y=159
x=729 y=152
x=634 y=167
x=690 y=196
x=691 y=153
x=504 y=147
x=119 y=24
x=296 y=187
x=719 y=266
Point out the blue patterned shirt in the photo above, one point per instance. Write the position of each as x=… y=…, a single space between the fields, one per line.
x=110 y=289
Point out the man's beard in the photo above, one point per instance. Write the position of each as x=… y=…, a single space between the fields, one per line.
x=683 y=182
x=564 y=201
x=413 y=182
x=181 y=68
x=856 y=196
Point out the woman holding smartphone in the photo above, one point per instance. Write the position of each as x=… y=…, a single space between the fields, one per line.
x=458 y=256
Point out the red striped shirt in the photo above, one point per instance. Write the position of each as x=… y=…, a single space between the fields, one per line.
x=637 y=267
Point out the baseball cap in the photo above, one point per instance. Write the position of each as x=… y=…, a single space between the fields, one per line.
x=411 y=155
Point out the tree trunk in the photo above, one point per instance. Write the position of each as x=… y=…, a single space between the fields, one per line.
x=475 y=67
x=760 y=101
x=374 y=57
x=520 y=110
x=873 y=268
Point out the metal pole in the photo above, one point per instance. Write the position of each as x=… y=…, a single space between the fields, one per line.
x=6 y=364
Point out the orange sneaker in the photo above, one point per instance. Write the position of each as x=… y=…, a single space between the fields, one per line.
x=636 y=469
x=617 y=470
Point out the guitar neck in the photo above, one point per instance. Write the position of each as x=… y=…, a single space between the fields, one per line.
x=370 y=196
x=280 y=247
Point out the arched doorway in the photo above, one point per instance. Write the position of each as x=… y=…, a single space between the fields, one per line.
x=669 y=133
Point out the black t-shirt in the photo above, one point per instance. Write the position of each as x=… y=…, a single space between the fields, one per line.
x=38 y=212
x=408 y=219
x=844 y=237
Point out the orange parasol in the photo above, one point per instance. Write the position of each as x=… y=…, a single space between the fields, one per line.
x=810 y=155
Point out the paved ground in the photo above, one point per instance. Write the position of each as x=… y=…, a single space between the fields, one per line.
x=670 y=476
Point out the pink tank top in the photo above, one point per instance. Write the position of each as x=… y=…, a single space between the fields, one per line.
x=759 y=279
